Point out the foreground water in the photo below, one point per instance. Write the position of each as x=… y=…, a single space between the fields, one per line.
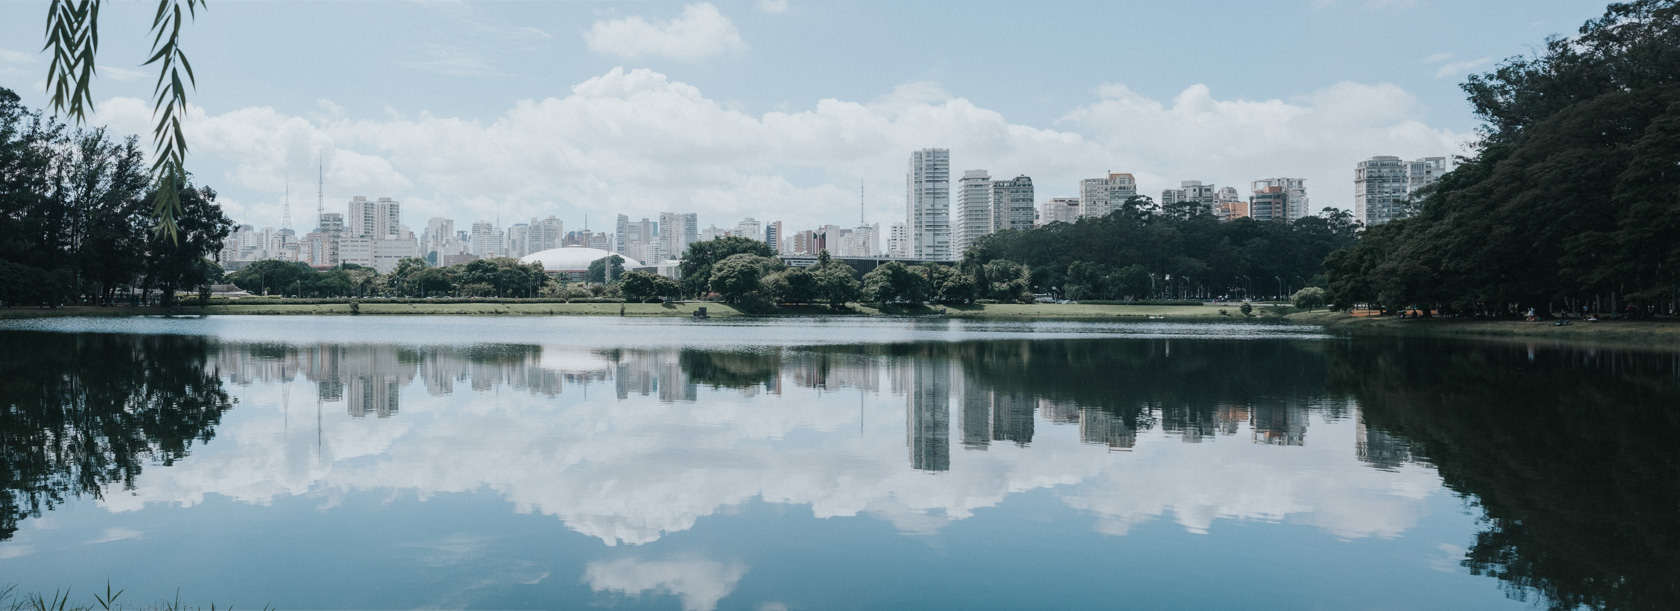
x=344 y=462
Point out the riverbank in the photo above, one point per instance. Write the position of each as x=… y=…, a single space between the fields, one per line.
x=1035 y=311
x=1641 y=333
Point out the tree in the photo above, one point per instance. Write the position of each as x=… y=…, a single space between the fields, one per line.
x=181 y=261
x=894 y=282
x=1310 y=298
x=642 y=287
x=791 y=285
x=1008 y=281
x=737 y=277
x=1132 y=282
x=605 y=269
x=837 y=284
x=697 y=262
x=1570 y=197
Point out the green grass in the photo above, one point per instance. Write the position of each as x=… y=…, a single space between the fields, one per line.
x=109 y=600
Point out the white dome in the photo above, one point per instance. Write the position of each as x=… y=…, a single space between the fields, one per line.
x=572 y=259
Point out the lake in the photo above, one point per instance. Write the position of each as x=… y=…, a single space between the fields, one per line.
x=549 y=463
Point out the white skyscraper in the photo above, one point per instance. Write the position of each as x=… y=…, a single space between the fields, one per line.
x=485 y=241
x=1382 y=184
x=1099 y=197
x=750 y=229
x=676 y=231
x=898 y=241
x=974 y=210
x=1191 y=191
x=928 y=204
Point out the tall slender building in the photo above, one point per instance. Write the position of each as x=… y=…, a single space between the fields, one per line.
x=1278 y=199
x=1382 y=184
x=974 y=210
x=676 y=231
x=928 y=204
x=773 y=235
x=1012 y=204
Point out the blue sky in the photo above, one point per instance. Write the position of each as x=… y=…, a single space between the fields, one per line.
x=778 y=109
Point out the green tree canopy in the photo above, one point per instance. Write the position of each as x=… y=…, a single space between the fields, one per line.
x=697 y=262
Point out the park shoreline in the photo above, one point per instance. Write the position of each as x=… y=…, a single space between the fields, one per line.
x=1662 y=334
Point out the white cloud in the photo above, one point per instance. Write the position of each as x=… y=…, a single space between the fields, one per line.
x=8 y=56
x=638 y=143
x=699 y=584
x=117 y=534
x=700 y=32
x=772 y=6
x=1458 y=68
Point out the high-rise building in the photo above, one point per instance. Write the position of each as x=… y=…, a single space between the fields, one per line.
x=1277 y=199
x=1099 y=197
x=1058 y=210
x=1205 y=197
x=750 y=229
x=928 y=204
x=1012 y=204
x=518 y=241
x=485 y=241
x=928 y=430
x=773 y=235
x=544 y=234
x=380 y=219
x=898 y=241
x=1226 y=204
x=676 y=231
x=1382 y=184
x=974 y=210
x=863 y=241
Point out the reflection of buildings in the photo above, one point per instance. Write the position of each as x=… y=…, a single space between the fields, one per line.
x=1379 y=449
x=1098 y=426
x=654 y=373
x=1282 y=425
x=992 y=415
x=929 y=415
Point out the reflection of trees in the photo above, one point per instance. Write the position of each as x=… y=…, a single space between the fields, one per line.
x=1193 y=389
x=85 y=411
x=731 y=369
x=1574 y=456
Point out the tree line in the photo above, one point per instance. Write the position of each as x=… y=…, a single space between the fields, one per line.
x=1176 y=251
x=1570 y=198
x=76 y=221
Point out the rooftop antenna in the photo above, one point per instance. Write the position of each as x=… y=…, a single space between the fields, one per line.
x=286 y=207
x=861 y=220
x=320 y=188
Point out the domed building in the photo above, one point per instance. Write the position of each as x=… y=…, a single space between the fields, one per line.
x=573 y=260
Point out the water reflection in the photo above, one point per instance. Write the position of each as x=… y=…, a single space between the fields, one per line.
x=1569 y=453
x=84 y=414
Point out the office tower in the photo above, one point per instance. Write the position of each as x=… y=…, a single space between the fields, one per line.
x=1058 y=210
x=1276 y=199
x=621 y=235
x=773 y=235
x=1099 y=197
x=803 y=243
x=898 y=241
x=928 y=204
x=974 y=210
x=1227 y=203
x=1012 y=204
x=677 y=231
x=438 y=229
x=863 y=241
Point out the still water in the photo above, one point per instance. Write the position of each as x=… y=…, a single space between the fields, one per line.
x=339 y=462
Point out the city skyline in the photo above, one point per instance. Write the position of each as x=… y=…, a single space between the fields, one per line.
x=558 y=116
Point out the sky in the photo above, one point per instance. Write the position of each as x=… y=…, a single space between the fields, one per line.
x=787 y=109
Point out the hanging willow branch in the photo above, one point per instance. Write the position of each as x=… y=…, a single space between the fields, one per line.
x=73 y=37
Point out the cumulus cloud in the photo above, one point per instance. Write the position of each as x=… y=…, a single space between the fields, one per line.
x=699 y=584
x=700 y=32
x=639 y=143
